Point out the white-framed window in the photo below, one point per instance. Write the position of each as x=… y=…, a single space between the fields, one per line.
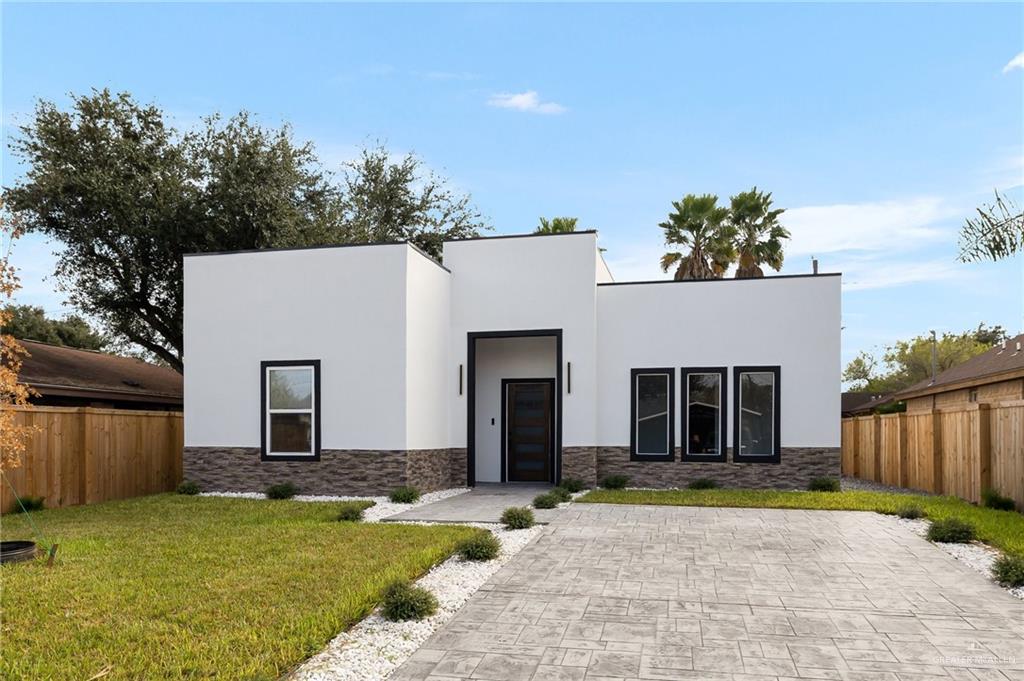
x=652 y=430
x=703 y=415
x=291 y=409
x=757 y=418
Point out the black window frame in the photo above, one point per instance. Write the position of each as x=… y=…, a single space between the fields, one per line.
x=264 y=424
x=633 y=455
x=776 y=455
x=723 y=410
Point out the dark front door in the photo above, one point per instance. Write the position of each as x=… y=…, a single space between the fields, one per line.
x=529 y=426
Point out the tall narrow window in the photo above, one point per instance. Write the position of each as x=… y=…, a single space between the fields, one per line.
x=703 y=423
x=652 y=432
x=757 y=419
x=290 y=410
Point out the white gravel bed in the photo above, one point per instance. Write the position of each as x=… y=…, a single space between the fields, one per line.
x=849 y=483
x=382 y=508
x=977 y=556
x=375 y=647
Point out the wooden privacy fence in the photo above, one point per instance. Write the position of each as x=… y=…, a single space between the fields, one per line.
x=82 y=455
x=957 y=450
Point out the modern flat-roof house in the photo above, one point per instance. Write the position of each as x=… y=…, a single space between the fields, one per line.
x=356 y=369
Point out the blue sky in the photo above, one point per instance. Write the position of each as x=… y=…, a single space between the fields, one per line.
x=879 y=127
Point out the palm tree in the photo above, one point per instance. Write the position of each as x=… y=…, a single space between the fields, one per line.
x=556 y=225
x=700 y=225
x=758 y=233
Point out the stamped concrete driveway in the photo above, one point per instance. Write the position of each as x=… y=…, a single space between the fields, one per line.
x=640 y=592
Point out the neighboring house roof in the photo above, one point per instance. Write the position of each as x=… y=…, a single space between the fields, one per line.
x=1001 y=363
x=58 y=370
x=862 y=403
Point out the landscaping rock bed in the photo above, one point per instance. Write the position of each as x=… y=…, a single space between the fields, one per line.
x=382 y=508
x=375 y=647
x=850 y=484
x=975 y=555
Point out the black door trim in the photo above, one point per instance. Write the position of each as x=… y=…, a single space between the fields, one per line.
x=505 y=382
x=471 y=338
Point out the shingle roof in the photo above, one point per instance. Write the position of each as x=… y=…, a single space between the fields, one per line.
x=1002 y=359
x=856 y=402
x=67 y=369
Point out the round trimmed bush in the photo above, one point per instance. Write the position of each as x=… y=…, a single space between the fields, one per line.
x=993 y=499
x=951 y=531
x=517 y=518
x=484 y=546
x=562 y=494
x=824 y=485
x=403 y=601
x=703 y=483
x=547 y=500
x=188 y=487
x=573 y=485
x=351 y=511
x=404 y=495
x=911 y=512
x=615 y=481
x=284 y=490
x=29 y=504
x=1008 y=570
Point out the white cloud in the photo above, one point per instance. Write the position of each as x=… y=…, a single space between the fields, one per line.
x=525 y=101
x=883 y=225
x=1015 y=63
x=875 y=273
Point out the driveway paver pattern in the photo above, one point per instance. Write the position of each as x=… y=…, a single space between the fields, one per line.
x=612 y=592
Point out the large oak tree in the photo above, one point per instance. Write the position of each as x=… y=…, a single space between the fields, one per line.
x=126 y=195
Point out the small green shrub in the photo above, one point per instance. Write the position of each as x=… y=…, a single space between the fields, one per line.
x=615 y=481
x=910 y=512
x=703 y=483
x=546 y=500
x=951 y=531
x=484 y=546
x=404 y=495
x=403 y=601
x=993 y=499
x=351 y=511
x=824 y=485
x=188 y=487
x=517 y=518
x=31 y=504
x=284 y=490
x=1008 y=570
x=573 y=485
x=562 y=494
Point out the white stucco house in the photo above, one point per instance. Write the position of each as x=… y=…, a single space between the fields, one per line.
x=355 y=369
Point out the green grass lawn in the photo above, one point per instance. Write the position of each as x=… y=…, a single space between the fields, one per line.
x=1002 y=529
x=174 y=586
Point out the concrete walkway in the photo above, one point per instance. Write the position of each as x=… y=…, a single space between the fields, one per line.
x=637 y=592
x=483 y=504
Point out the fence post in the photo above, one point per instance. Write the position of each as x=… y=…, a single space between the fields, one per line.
x=901 y=423
x=88 y=458
x=984 y=447
x=856 y=448
x=876 y=441
x=937 y=482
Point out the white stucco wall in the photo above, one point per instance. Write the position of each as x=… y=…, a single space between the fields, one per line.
x=431 y=378
x=343 y=306
x=529 y=283
x=790 y=322
x=498 y=358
